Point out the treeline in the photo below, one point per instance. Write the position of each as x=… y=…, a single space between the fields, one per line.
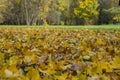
x=59 y=12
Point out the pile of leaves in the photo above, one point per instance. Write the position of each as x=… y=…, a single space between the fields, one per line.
x=47 y=54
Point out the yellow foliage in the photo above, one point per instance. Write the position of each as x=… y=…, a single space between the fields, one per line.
x=33 y=74
x=116 y=62
x=49 y=54
x=62 y=77
x=87 y=10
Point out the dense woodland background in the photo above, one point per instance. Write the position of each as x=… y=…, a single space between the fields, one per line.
x=59 y=12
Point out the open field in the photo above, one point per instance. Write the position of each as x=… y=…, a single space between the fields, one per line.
x=58 y=54
x=116 y=27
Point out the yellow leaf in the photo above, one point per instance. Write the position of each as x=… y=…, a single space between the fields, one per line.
x=62 y=77
x=116 y=62
x=103 y=66
x=49 y=71
x=33 y=74
x=82 y=77
x=18 y=45
x=1 y=56
x=13 y=60
x=50 y=68
x=74 y=78
x=8 y=73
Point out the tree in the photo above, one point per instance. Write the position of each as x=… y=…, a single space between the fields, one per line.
x=32 y=10
x=59 y=11
x=87 y=10
x=115 y=14
x=68 y=12
x=54 y=14
x=119 y=3
x=15 y=13
x=2 y=9
x=105 y=17
x=44 y=10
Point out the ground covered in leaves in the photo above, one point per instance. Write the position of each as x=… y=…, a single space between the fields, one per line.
x=47 y=54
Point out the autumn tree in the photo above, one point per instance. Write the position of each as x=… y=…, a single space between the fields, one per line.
x=87 y=10
x=68 y=12
x=58 y=12
x=2 y=9
x=44 y=10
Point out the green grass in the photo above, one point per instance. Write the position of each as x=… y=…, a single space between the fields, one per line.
x=116 y=27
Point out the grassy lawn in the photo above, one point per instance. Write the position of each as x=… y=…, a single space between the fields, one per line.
x=116 y=27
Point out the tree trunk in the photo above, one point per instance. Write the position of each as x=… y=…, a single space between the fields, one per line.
x=26 y=13
x=119 y=2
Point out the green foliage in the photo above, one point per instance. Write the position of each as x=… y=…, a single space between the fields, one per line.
x=87 y=10
x=115 y=12
x=105 y=17
x=49 y=54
